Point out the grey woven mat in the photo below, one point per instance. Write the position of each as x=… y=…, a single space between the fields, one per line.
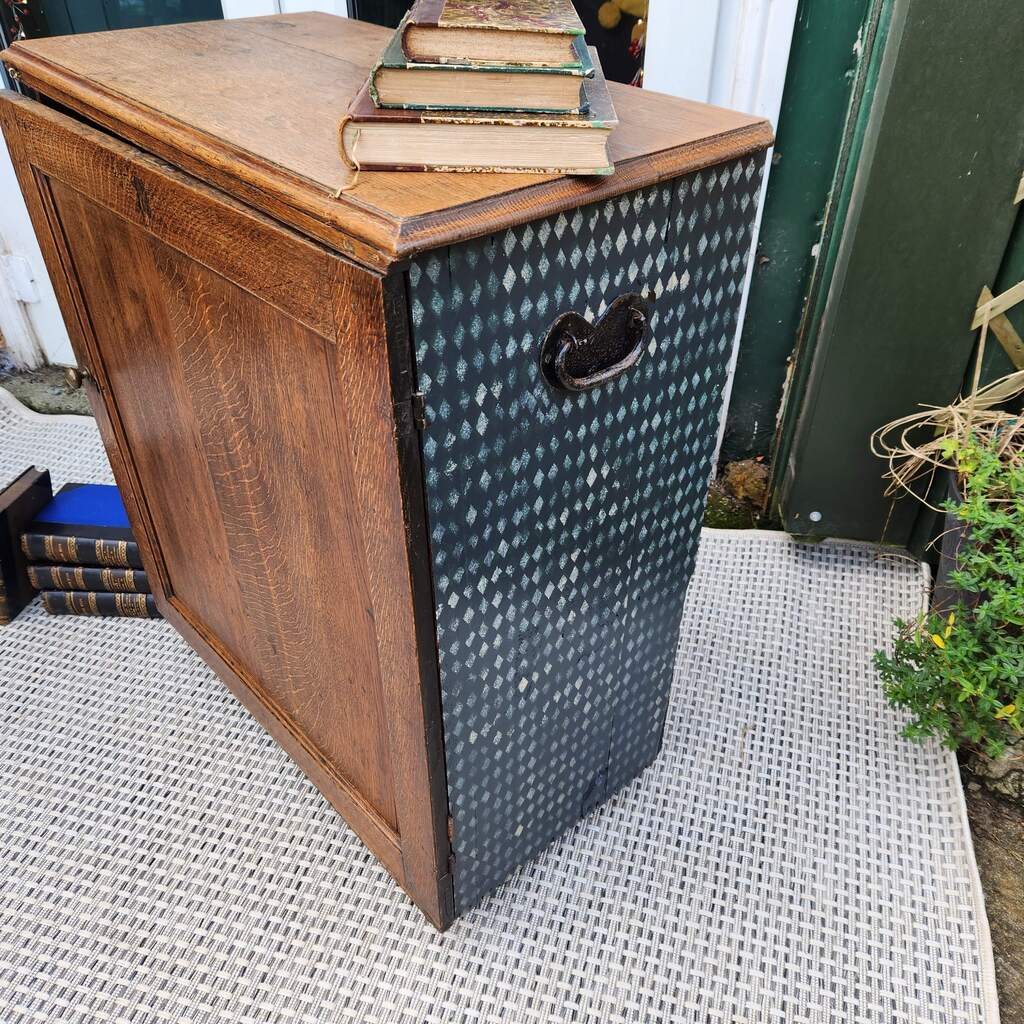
x=787 y=859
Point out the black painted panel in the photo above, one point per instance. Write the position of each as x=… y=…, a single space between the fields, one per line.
x=563 y=526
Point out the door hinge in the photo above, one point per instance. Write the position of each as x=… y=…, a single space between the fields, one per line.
x=419 y=410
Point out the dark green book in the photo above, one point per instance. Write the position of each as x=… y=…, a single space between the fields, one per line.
x=398 y=83
x=88 y=577
x=125 y=606
x=84 y=524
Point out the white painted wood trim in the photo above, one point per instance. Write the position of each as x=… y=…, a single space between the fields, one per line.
x=745 y=68
x=33 y=331
x=256 y=8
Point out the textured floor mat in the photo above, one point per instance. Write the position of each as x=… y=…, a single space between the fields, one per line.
x=787 y=858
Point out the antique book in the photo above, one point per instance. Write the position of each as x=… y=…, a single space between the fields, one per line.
x=125 y=606
x=527 y=32
x=398 y=82
x=88 y=577
x=20 y=501
x=84 y=524
x=418 y=140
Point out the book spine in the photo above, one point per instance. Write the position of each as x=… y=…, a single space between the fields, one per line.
x=81 y=550
x=74 y=602
x=84 y=577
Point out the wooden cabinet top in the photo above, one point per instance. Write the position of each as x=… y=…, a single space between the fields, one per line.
x=252 y=106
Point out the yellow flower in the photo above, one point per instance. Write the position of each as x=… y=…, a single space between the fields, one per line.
x=1006 y=711
x=938 y=641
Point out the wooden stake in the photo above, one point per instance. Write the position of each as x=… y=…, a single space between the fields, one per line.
x=1000 y=304
x=1005 y=333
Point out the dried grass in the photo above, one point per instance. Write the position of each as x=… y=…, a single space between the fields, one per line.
x=975 y=418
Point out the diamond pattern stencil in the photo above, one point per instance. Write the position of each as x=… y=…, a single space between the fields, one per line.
x=563 y=528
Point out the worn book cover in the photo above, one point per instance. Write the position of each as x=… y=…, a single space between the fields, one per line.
x=84 y=524
x=489 y=87
x=88 y=577
x=124 y=606
x=20 y=502
x=529 y=32
x=375 y=138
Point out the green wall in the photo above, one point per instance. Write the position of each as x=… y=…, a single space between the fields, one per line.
x=824 y=58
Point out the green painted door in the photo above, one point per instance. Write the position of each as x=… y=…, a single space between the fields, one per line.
x=929 y=219
x=66 y=17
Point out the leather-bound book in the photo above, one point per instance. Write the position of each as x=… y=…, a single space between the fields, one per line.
x=527 y=32
x=84 y=524
x=374 y=138
x=20 y=501
x=399 y=82
x=123 y=606
x=88 y=577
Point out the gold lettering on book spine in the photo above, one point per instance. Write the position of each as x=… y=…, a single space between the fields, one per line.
x=132 y=605
x=112 y=552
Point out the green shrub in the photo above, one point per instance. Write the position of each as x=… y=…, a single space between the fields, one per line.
x=961 y=676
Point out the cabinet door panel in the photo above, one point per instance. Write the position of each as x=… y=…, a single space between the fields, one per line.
x=230 y=406
x=243 y=381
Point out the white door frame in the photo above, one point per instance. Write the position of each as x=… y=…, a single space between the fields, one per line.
x=733 y=53
x=30 y=319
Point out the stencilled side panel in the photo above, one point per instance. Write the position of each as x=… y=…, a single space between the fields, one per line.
x=563 y=527
x=683 y=384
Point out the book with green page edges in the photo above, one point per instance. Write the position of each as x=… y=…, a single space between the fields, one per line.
x=536 y=33
x=399 y=83
x=374 y=138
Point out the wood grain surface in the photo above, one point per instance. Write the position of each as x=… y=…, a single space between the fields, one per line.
x=252 y=105
x=243 y=387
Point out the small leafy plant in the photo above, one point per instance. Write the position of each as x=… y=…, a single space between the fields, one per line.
x=961 y=674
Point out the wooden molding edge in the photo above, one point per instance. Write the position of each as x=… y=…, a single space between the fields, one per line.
x=532 y=202
x=358 y=231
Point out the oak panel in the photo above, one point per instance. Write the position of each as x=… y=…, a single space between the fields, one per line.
x=230 y=408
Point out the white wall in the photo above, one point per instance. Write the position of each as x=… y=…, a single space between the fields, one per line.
x=733 y=53
x=29 y=318
x=254 y=8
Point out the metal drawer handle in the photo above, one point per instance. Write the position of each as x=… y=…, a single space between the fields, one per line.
x=577 y=355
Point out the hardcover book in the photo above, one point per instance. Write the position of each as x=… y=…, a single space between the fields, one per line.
x=374 y=138
x=536 y=33
x=20 y=502
x=398 y=82
x=88 y=577
x=124 y=606
x=84 y=524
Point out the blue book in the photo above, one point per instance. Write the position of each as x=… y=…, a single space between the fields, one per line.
x=84 y=524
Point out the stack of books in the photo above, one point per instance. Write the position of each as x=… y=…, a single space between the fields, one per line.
x=81 y=554
x=468 y=85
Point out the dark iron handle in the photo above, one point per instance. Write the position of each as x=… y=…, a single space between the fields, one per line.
x=577 y=355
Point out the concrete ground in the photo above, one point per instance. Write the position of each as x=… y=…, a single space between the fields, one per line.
x=44 y=390
x=996 y=825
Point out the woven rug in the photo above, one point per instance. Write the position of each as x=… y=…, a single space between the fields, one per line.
x=787 y=859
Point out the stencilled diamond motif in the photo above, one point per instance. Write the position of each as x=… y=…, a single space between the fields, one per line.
x=563 y=528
